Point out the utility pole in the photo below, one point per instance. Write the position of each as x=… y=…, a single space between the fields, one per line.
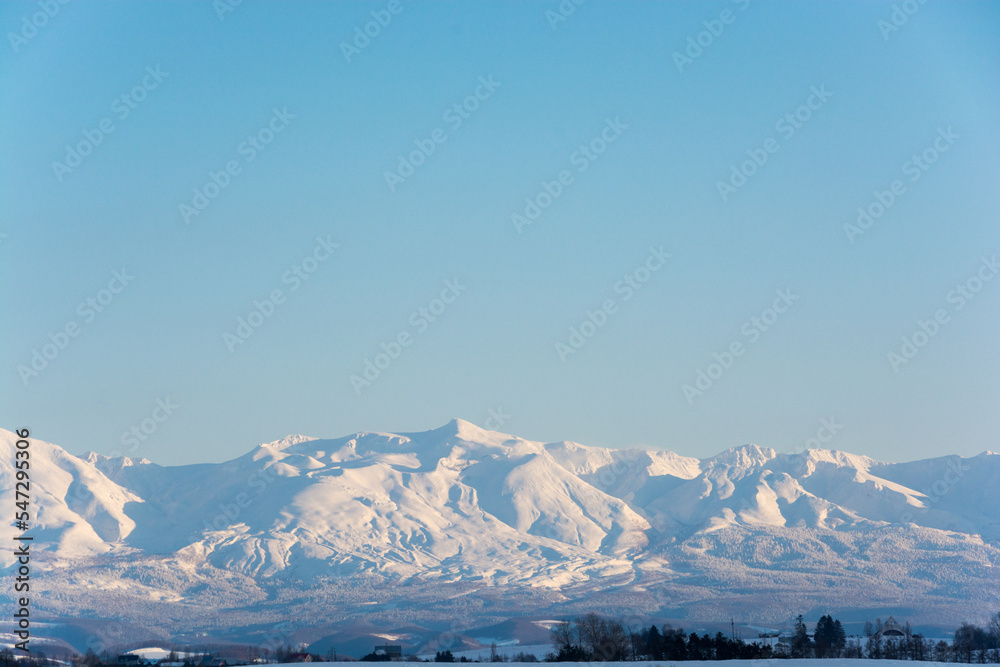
x=732 y=623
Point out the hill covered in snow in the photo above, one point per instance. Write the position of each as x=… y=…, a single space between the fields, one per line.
x=417 y=530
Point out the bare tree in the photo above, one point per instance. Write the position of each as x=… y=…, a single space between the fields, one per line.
x=592 y=630
x=615 y=642
x=562 y=637
x=993 y=628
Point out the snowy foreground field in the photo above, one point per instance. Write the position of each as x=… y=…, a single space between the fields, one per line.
x=798 y=662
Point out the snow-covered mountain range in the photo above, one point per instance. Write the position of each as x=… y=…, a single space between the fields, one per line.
x=421 y=529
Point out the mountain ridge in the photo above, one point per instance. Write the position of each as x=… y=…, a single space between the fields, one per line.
x=456 y=423
x=467 y=516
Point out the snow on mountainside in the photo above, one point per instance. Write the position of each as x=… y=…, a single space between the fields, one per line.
x=464 y=514
x=76 y=508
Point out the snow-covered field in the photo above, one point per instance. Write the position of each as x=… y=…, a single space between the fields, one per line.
x=838 y=662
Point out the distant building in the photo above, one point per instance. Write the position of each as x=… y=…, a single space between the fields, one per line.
x=395 y=652
x=891 y=628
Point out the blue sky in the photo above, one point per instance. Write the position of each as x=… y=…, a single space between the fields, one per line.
x=201 y=89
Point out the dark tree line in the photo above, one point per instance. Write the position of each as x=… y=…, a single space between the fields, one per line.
x=447 y=656
x=592 y=638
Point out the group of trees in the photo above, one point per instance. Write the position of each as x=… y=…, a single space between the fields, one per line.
x=37 y=659
x=828 y=641
x=592 y=638
x=975 y=644
x=970 y=644
x=495 y=656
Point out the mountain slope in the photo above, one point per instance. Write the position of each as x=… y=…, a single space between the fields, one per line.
x=485 y=525
x=74 y=506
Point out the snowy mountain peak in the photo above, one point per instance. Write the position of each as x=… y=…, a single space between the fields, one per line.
x=286 y=442
x=839 y=458
x=466 y=430
x=101 y=461
x=745 y=456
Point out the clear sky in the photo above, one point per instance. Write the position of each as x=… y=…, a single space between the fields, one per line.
x=409 y=152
